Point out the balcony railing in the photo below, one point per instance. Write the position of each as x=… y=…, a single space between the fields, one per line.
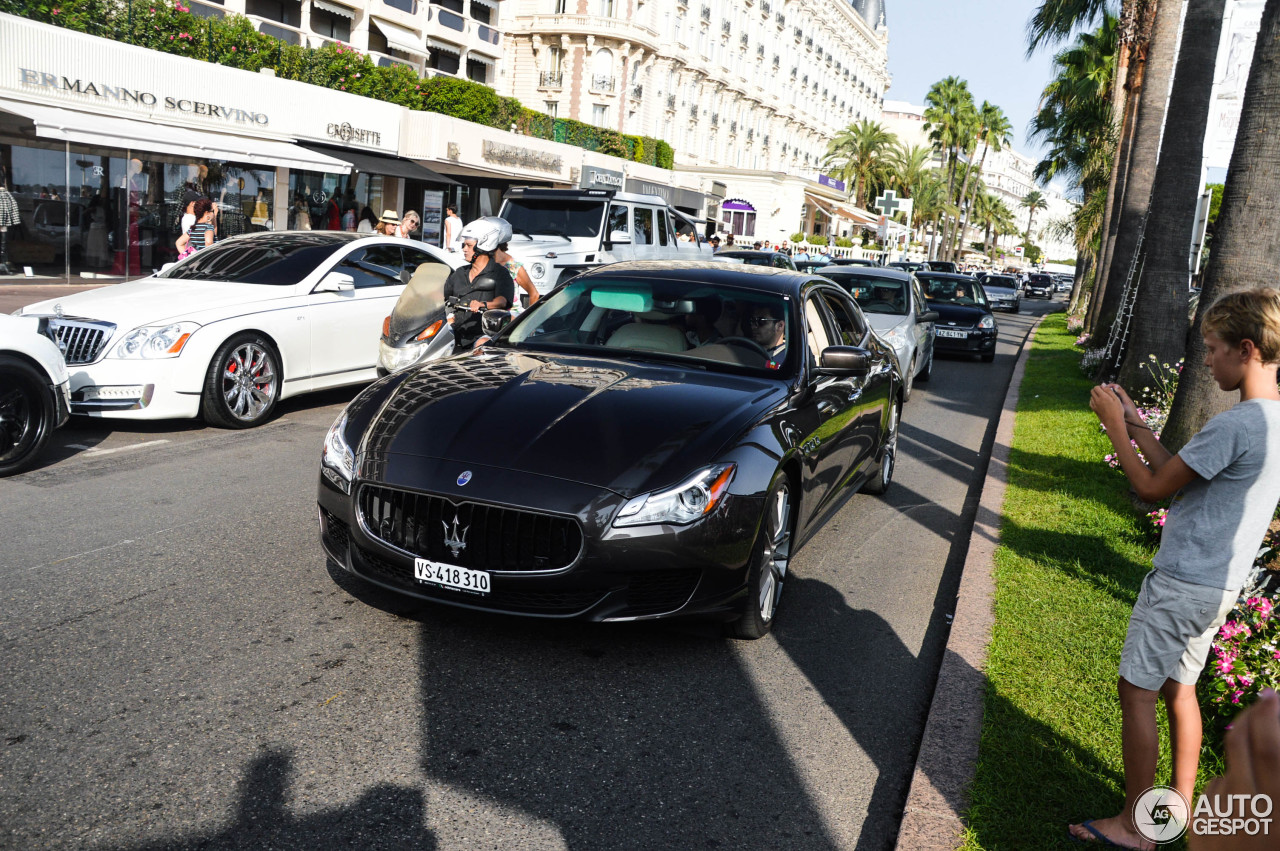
x=693 y=112
x=766 y=140
x=744 y=40
x=715 y=119
x=203 y=11
x=452 y=20
x=808 y=43
x=551 y=81
x=637 y=92
x=781 y=20
x=733 y=128
x=765 y=8
x=760 y=51
x=750 y=134
x=726 y=27
x=602 y=83
x=287 y=34
x=488 y=34
x=798 y=33
x=706 y=13
x=671 y=102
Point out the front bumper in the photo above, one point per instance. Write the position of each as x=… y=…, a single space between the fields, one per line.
x=1039 y=292
x=637 y=573
x=133 y=389
x=976 y=340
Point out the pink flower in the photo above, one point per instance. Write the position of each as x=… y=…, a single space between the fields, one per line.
x=153 y=11
x=233 y=50
x=57 y=11
x=170 y=38
x=1224 y=666
x=1235 y=698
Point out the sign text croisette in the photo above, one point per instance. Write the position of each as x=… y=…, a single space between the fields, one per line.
x=127 y=96
x=347 y=133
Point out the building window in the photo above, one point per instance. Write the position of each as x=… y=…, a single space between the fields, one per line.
x=606 y=8
x=560 y=6
x=477 y=71
x=738 y=217
x=442 y=61
x=600 y=114
x=330 y=25
x=553 y=108
x=480 y=12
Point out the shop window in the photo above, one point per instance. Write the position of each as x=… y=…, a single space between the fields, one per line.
x=375 y=266
x=319 y=201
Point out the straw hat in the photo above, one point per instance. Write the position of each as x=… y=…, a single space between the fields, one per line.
x=390 y=217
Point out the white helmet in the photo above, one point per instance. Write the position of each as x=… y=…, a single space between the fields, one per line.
x=489 y=232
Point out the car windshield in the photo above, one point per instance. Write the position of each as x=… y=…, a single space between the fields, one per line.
x=554 y=216
x=1001 y=282
x=696 y=325
x=874 y=295
x=750 y=259
x=281 y=262
x=942 y=289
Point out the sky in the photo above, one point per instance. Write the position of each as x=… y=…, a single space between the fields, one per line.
x=982 y=41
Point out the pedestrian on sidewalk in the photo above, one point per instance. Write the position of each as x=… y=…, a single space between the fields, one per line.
x=1225 y=484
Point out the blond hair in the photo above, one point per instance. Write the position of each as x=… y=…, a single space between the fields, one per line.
x=1252 y=314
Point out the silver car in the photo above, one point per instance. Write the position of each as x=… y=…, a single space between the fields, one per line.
x=1003 y=292
x=896 y=308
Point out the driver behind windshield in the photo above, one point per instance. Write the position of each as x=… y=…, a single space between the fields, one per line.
x=485 y=284
x=767 y=328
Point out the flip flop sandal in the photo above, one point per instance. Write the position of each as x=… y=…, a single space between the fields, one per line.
x=1099 y=840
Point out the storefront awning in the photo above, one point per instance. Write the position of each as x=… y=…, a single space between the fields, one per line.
x=370 y=163
x=83 y=128
x=333 y=9
x=858 y=217
x=821 y=203
x=401 y=38
x=480 y=57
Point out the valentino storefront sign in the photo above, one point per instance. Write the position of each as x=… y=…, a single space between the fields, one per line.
x=514 y=155
x=347 y=133
x=126 y=96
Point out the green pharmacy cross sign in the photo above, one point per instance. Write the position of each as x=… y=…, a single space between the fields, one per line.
x=888 y=203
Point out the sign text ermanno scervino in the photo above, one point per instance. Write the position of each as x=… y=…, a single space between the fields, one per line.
x=125 y=95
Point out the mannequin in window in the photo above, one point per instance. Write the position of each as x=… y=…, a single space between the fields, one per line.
x=9 y=218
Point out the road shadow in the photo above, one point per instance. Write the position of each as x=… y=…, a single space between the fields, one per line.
x=384 y=817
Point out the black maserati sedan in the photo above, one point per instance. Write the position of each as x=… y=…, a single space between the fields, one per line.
x=966 y=324
x=651 y=439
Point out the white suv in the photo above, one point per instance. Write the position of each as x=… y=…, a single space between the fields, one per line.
x=560 y=233
x=35 y=394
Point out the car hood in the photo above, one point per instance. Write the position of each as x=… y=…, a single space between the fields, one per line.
x=150 y=301
x=1000 y=292
x=627 y=427
x=884 y=323
x=962 y=315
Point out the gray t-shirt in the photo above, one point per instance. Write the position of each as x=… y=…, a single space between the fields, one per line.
x=1216 y=523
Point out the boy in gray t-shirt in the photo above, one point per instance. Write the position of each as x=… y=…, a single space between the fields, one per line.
x=1227 y=483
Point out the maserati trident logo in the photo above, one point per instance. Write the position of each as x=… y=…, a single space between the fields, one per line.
x=464 y=478
x=455 y=540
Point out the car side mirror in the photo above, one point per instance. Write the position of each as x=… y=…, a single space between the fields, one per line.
x=929 y=316
x=336 y=282
x=493 y=321
x=620 y=237
x=848 y=361
x=166 y=267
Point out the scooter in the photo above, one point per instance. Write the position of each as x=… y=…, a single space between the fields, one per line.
x=419 y=329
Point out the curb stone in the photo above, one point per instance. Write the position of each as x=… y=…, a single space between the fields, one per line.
x=948 y=757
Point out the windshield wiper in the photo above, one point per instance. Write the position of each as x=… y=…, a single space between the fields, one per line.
x=554 y=232
x=522 y=232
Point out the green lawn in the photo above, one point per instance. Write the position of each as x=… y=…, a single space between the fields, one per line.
x=1072 y=554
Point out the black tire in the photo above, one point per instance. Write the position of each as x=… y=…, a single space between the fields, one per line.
x=928 y=366
x=909 y=380
x=988 y=357
x=27 y=414
x=879 y=483
x=770 y=558
x=242 y=386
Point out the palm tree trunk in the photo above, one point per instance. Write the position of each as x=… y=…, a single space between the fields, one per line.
x=1248 y=230
x=1152 y=103
x=1084 y=265
x=958 y=247
x=1159 y=325
x=1126 y=88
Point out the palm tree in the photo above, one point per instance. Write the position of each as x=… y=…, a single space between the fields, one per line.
x=951 y=119
x=929 y=201
x=1144 y=154
x=911 y=165
x=1248 y=230
x=1159 y=324
x=994 y=131
x=860 y=154
x=1033 y=200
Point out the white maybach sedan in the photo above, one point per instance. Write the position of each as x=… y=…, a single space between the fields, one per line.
x=233 y=329
x=34 y=396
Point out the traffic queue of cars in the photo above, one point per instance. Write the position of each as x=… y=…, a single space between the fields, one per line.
x=687 y=423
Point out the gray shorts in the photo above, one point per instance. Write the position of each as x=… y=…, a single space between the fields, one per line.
x=1171 y=630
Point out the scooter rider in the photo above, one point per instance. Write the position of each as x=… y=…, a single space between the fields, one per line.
x=483 y=285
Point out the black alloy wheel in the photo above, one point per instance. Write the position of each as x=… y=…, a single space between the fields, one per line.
x=243 y=383
x=770 y=558
x=26 y=414
x=928 y=366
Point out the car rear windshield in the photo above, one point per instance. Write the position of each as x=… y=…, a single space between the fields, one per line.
x=996 y=281
x=282 y=262
x=554 y=216
x=874 y=295
x=950 y=290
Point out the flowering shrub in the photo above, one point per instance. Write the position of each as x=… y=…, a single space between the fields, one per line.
x=1075 y=322
x=1091 y=359
x=1245 y=657
x=1082 y=339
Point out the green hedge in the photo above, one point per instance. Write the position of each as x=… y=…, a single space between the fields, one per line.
x=233 y=41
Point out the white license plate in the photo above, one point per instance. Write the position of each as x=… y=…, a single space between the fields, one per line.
x=947 y=332
x=449 y=576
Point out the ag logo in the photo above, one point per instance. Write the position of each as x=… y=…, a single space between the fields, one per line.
x=1161 y=814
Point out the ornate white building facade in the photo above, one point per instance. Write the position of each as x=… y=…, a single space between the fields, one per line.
x=748 y=93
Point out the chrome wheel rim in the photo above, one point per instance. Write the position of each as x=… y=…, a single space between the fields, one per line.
x=890 y=447
x=249 y=383
x=777 y=552
x=911 y=376
x=17 y=423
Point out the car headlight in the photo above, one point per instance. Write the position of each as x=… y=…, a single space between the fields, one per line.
x=156 y=341
x=337 y=461
x=987 y=323
x=537 y=270
x=693 y=498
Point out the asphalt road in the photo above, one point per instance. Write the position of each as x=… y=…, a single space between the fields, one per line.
x=180 y=668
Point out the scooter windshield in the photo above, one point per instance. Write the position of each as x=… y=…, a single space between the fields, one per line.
x=422 y=301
